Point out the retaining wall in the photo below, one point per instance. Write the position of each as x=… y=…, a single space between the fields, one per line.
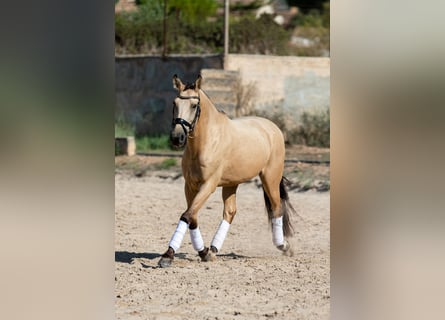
x=144 y=90
x=292 y=83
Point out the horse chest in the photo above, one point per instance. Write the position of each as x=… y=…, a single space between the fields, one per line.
x=199 y=173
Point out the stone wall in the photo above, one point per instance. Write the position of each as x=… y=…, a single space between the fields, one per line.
x=294 y=84
x=144 y=89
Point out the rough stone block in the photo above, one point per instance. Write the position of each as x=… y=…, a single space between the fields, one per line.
x=125 y=146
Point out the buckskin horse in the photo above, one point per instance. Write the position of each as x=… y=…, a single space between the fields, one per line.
x=221 y=152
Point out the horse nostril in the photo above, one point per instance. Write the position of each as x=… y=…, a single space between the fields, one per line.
x=178 y=139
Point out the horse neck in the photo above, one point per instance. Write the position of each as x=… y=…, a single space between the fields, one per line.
x=210 y=118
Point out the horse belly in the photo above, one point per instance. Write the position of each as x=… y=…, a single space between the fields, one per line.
x=243 y=165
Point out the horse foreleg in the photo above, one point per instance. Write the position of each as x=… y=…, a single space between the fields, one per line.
x=195 y=234
x=229 y=198
x=189 y=218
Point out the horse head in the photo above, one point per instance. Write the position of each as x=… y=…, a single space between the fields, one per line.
x=186 y=110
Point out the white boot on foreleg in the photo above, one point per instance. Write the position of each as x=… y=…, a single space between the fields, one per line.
x=178 y=236
x=220 y=235
x=196 y=238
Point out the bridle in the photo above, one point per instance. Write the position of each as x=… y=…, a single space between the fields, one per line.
x=184 y=123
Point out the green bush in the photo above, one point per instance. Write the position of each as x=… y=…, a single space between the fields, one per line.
x=321 y=38
x=148 y=143
x=192 y=11
x=258 y=36
x=312 y=24
x=142 y=31
x=199 y=37
x=123 y=129
x=313 y=130
x=188 y=31
x=139 y=31
x=194 y=27
x=167 y=163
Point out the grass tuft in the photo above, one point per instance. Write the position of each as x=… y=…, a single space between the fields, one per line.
x=147 y=143
x=167 y=164
x=123 y=129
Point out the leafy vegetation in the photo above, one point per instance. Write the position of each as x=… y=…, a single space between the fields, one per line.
x=312 y=25
x=188 y=31
x=143 y=143
x=139 y=167
x=167 y=164
x=139 y=31
x=195 y=27
x=123 y=129
x=192 y=11
x=258 y=36
x=313 y=129
x=149 y=143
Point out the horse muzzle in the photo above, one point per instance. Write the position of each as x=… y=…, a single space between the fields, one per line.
x=178 y=136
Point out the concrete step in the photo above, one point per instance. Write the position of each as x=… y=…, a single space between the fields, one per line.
x=218 y=73
x=220 y=86
x=221 y=96
x=223 y=84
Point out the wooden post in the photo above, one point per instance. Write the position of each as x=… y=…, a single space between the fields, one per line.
x=226 y=32
x=164 y=34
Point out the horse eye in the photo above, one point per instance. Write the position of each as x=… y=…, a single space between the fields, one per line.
x=194 y=106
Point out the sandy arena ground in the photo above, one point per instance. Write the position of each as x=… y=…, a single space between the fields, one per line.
x=251 y=279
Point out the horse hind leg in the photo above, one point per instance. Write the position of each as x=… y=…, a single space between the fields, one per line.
x=229 y=198
x=276 y=200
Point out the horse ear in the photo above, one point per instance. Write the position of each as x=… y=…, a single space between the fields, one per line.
x=177 y=83
x=198 y=82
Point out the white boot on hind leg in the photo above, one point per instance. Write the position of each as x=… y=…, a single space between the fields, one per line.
x=278 y=237
x=277 y=231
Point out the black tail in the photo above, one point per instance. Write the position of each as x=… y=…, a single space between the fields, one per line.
x=286 y=208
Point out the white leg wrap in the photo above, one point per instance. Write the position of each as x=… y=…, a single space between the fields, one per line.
x=197 y=242
x=220 y=234
x=178 y=236
x=277 y=231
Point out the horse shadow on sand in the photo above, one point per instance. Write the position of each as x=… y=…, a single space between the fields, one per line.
x=142 y=257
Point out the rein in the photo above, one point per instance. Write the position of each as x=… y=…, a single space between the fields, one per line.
x=184 y=123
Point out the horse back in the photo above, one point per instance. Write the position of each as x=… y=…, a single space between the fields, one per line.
x=257 y=129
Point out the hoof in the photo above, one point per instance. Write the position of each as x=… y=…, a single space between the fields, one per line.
x=208 y=255
x=286 y=249
x=165 y=262
x=288 y=253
